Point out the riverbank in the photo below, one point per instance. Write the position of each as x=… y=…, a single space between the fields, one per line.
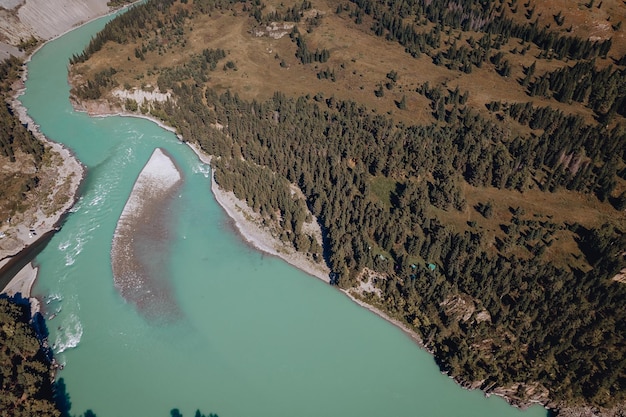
x=64 y=169
x=60 y=179
x=247 y=223
x=23 y=282
x=250 y=227
x=22 y=285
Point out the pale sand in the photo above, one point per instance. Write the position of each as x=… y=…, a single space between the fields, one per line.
x=23 y=282
x=250 y=227
x=142 y=278
x=156 y=178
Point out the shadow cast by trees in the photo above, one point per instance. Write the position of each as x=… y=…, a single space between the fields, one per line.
x=175 y=412
x=64 y=405
x=62 y=398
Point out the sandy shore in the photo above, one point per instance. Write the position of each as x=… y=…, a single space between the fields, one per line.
x=248 y=223
x=23 y=282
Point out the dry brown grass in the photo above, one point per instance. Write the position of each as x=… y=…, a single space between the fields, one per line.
x=361 y=61
x=561 y=207
x=593 y=23
x=14 y=176
x=48 y=197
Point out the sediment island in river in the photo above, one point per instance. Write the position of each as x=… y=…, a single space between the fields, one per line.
x=140 y=275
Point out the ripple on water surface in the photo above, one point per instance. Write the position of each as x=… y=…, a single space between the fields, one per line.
x=258 y=338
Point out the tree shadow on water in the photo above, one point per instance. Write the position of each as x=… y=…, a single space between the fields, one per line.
x=62 y=400
x=175 y=412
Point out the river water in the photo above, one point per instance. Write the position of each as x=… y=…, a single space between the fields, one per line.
x=255 y=336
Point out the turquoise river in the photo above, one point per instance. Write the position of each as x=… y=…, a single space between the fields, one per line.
x=257 y=338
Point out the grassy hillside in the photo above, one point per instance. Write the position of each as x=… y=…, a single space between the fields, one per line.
x=468 y=156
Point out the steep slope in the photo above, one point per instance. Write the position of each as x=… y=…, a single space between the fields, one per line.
x=20 y=20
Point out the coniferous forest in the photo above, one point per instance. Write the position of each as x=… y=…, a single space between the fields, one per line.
x=15 y=139
x=26 y=371
x=448 y=205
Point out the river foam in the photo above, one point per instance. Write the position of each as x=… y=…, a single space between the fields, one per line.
x=69 y=334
